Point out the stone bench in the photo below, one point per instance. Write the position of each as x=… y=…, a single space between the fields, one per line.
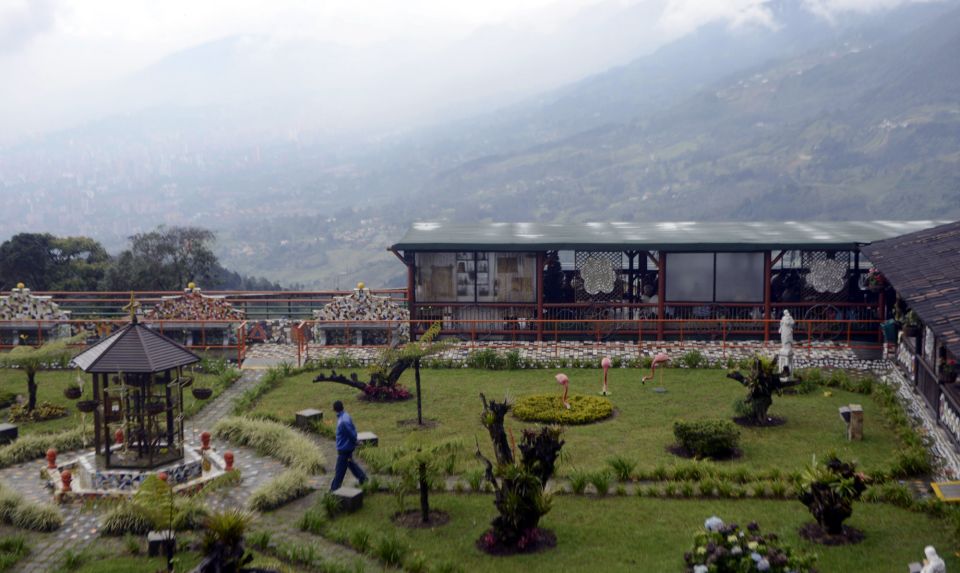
x=8 y=433
x=350 y=498
x=308 y=419
x=367 y=439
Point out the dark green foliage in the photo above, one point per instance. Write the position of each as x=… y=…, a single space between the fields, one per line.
x=486 y=359
x=13 y=548
x=761 y=383
x=707 y=438
x=828 y=489
x=694 y=359
x=622 y=467
x=549 y=408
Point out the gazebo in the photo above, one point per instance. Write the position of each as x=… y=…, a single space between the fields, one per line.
x=138 y=384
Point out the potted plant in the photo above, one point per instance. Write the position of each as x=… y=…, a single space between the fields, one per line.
x=948 y=371
x=202 y=393
x=87 y=406
x=72 y=392
x=911 y=324
x=875 y=281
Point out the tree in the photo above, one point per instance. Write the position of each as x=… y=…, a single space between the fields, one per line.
x=762 y=381
x=518 y=485
x=829 y=490
x=419 y=467
x=166 y=258
x=45 y=262
x=31 y=359
x=390 y=365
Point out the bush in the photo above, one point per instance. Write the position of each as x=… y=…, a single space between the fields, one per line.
x=694 y=359
x=600 y=482
x=708 y=438
x=126 y=517
x=314 y=521
x=622 y=467
x=272 y=439
x=360 y=539
x=37 y=517
x=726 y=549
x=288 y=486
x=33 y=446
x=43 y=412
x=390 y=550
x=578 y=482
x=190 y=515
x=548 y=408
x=486 y=359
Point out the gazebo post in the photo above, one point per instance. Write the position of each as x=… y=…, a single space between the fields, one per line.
x=103 y=414
x=96 y=414
x=412 y=293
x=541 y=260
x=767 y=271
x=168 y=379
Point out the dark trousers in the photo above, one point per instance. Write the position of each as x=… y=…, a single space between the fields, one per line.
x=345 y=461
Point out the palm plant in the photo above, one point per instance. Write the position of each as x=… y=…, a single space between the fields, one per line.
x=829 y=489
x=223 y=541
x=33 y=359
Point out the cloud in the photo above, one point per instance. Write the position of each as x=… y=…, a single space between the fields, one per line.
x=830 y=9
x=23 y=20
x=684 y=16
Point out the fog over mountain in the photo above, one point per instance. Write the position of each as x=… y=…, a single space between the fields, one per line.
x=309 y=153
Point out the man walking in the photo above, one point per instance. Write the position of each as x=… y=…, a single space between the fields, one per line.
x=346 y=443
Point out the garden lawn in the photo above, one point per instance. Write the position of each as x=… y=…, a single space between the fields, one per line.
x=641 y=429
x=643 y=534
x=50 y=386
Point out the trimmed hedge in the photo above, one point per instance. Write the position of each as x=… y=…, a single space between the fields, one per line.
x=548 y=408
x=707 y=438
x=33 y=446
x=286 y=487
x=272 y=439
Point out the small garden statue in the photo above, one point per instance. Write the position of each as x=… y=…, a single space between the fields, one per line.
x=785 y=362
x=518 y=484
x=932 y=563
x=762 y=381
x=828 y=490
x=659 y=360
x=606 y=363
x=565 y=382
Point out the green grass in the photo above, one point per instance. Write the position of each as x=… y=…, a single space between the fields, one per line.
x=641 y=534
x=106 y=564
x=641 y=428
x=50 y=386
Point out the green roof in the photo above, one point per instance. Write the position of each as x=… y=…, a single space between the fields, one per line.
x=654 y=236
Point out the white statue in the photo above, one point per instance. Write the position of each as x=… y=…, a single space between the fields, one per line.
x=786 y=329
x=785 y=358
x=933 y=563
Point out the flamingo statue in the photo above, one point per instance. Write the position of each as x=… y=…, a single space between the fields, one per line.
x=565 y=382
x=606 y=363
x=658 y=360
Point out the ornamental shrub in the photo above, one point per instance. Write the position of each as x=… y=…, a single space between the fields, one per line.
x=707 y=438
x=720 y=548
x=694 y=359
x=486 y=359
x=549 y=408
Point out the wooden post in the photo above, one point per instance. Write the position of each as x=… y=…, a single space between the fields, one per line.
x=661 y=293
x=767 y=316
x=411 y=262
x=169 y=404
x=541 y=261
x=96 y=417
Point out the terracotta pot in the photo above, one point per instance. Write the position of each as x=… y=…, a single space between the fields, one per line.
x=87 y=406
x=72 y=392
x=51 y=459
x=202 y=393
x=153 y=408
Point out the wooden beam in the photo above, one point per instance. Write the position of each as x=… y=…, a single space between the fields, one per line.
x=777 y=259
x=541 y=261
x=661 y=293
x=767 y=277
x=397 y=254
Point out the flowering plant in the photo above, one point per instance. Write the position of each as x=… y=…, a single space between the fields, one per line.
x=875 y=279
x=721 y=548
x=385 y=393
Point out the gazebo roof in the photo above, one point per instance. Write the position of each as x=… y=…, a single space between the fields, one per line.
x=924 y=267
x=134 y=349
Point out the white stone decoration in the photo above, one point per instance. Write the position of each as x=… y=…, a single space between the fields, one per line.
x=22 y=305
x=363 y=311
x=598 y=276
x=827 y=275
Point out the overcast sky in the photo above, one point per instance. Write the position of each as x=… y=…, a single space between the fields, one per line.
x=52 y=49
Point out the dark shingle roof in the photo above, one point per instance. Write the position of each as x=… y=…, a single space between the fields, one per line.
x=924 y=267
x=134 y=349
x=674 y=237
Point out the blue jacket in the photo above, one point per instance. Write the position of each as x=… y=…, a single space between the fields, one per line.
x=346 y=433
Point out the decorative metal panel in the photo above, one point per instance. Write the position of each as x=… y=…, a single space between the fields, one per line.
x=598 y=276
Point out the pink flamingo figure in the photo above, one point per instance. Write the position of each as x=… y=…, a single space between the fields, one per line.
x=658 y=360
x=606 y=363
x=565 y=382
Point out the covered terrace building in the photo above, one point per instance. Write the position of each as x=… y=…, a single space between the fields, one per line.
x=645 y=280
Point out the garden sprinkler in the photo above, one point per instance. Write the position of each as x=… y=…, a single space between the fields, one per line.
x=659 y=360
x=565 y=382
x=606 y=363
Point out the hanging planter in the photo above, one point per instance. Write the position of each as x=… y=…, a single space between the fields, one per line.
x=153 y=408
x=202 y=393
x=87 y=406
x=72 y=392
